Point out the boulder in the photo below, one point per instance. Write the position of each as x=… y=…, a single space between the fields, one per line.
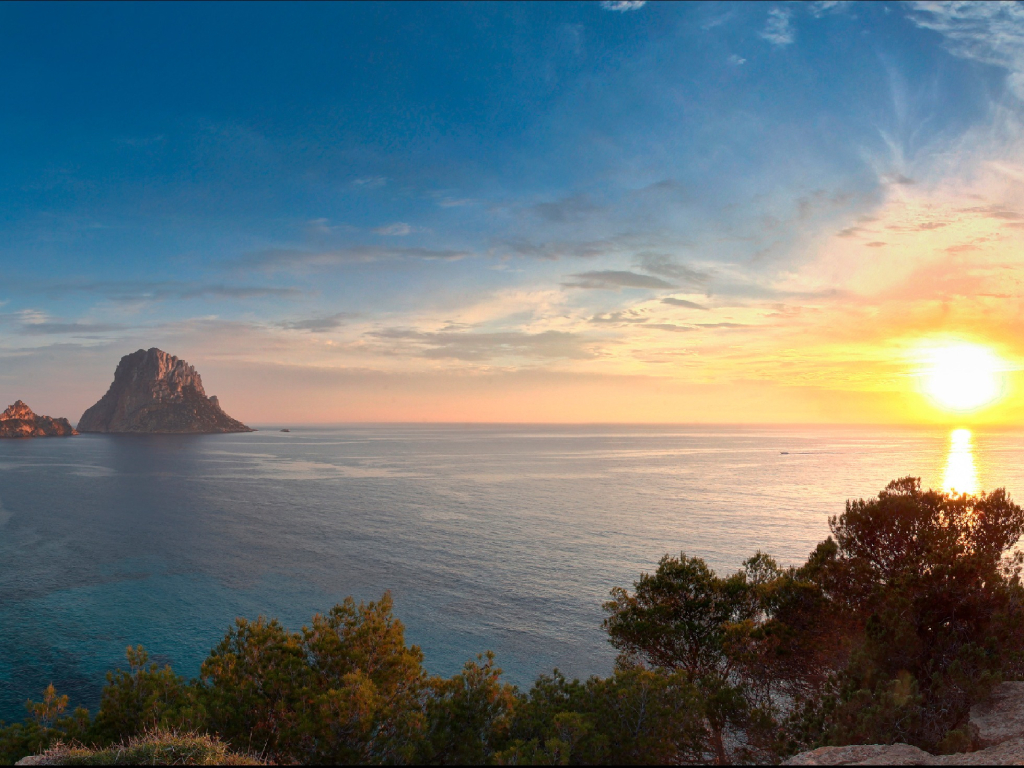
x=864 y=754
x=1001 y=717
x=997 y=726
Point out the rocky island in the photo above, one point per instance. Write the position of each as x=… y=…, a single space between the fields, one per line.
x=19 y=421
x=157 y=393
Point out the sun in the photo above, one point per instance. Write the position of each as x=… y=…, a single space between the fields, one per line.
x=962 y=376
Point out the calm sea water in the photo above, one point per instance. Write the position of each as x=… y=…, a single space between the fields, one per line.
x=500 y=538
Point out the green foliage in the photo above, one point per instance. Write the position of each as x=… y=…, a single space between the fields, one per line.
x=345 y=690
x=926 y=578
x=47 y=723
x=138 y=700
x=468 y=716
x=636 y=716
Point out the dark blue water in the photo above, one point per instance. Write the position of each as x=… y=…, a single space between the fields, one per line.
x=500 y=538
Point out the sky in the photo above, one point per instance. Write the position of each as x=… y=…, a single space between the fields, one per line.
x=528 y=212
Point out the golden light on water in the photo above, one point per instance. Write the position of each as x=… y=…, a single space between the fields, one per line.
x=960 y=476
x=962 y=376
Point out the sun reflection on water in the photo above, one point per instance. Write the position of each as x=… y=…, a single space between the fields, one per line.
x=961 y=475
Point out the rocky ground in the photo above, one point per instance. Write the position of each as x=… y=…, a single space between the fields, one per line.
x=997 y=727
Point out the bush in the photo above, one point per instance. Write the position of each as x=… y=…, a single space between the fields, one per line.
x=156 y=748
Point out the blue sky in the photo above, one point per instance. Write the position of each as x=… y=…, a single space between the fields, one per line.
x=550 y=211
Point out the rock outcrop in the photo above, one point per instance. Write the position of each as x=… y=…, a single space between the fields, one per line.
x=19 y=421
x=997 y=726
x=156 y=393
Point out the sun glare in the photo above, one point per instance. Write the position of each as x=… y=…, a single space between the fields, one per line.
x=960 y=476
x=963 y=376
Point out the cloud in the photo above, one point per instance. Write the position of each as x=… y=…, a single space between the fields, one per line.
x=992 y=33
x=67 y=329
x=398 y=229
x=623 y=5
x=296 y=258
x=613 y=280
x=30 y=322
x=619 y=318
x=129 y=290
x=716 y=21
x=455 y=202
x=671 y=327
x=478 y=347
x=666 y=266
x=370 y=182
x=819 y=8
x=317 y=324
x=569 y=209
x=736 y=60
x=627 y=244
x=682 y=303
x=778 y=30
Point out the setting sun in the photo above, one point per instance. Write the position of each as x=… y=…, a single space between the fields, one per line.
x=962 y=376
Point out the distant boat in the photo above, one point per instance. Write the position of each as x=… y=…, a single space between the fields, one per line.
x=286 y=430
x=784 y=453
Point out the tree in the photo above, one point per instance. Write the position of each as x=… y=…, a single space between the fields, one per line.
x=46 y=723
x=927 y=578
x=345 y=690
x=468 y=715
x=137 y=701
x=685 y=618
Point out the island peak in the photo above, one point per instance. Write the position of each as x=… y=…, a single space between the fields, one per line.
x=154 y=392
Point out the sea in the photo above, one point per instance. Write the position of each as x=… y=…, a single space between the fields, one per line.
x=501 y=538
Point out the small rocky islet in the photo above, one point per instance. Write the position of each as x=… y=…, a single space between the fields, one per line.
x=153 y=392
x=20 y=421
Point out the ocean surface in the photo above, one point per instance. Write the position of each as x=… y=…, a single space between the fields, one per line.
x=503 y=538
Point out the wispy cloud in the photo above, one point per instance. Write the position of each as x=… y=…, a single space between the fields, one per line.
x=470 y=346
x=370 y=182
x=295 y=258
x=819 y=8
x=682 y=303
x=130 y=291
x=666 y=266
x=318 y=324
x=613 y=280
x=992 y=33
x=569 y=209
x=627 y=245
x=778 y=30
x=619 y=318
x=34 y=323
x=623 y=5
x=398 y=229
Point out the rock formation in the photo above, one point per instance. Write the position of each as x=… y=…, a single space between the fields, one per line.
x=154 y=392
x=19 y=421
x=996 y=726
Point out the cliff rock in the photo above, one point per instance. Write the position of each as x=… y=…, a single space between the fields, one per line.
x=19 y=421
x=154 y=392
x=997 y=725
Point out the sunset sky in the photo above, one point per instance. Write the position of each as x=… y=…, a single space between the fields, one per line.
x=580 y=212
